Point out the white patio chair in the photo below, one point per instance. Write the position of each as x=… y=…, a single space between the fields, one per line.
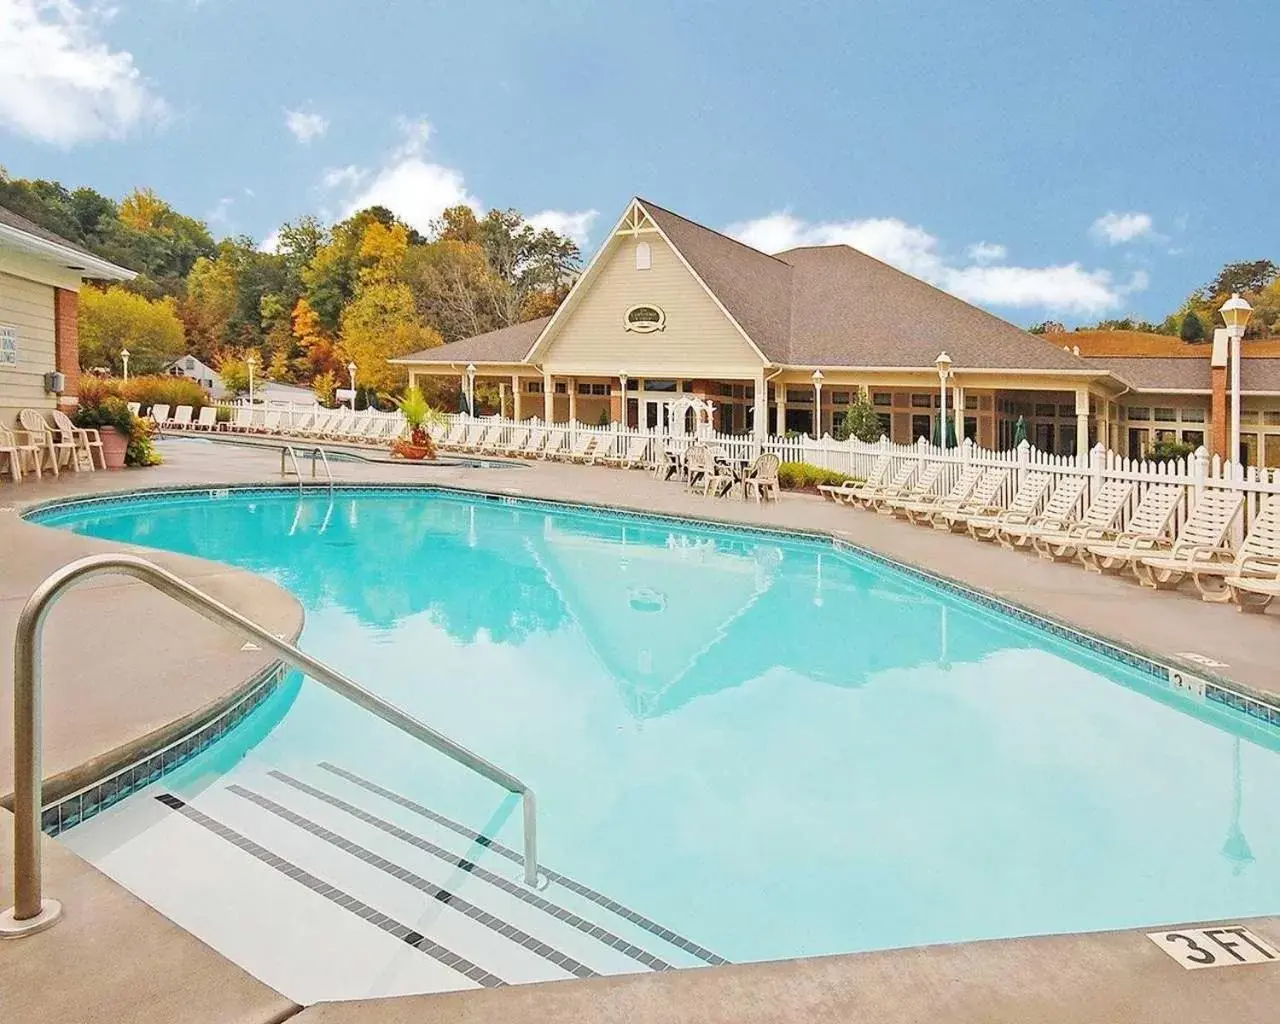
x=1209 y=563
x=159 y=414
x=54 y=451
x=18 y=451
x=1146 y=532
x=181 y=419
x=920 y=510
x=762 y=477
x=846 y=490
x=893 y=486
x=207 y=418
x=920 y=488
x=86 y=439
x=1026 y=500
x=1057 y=542
x=983 y=501
x=1018 y=531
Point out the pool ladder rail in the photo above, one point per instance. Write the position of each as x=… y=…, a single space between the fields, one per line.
x=33 y=912
x=296 y=471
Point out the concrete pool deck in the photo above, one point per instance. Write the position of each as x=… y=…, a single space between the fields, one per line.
x=191 y=665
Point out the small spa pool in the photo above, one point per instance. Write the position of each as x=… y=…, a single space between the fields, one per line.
x=763 y=746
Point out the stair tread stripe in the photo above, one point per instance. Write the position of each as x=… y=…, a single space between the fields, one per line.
x=333 y=894
x=436 y=892
x=590 y=928
x=598 y=898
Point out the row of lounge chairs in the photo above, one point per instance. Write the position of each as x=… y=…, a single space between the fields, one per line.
x=552 y=443
x=321 y=425
x=51 y=445
x=1048 y=518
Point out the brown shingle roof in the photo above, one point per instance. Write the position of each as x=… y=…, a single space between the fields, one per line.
x=849 y=309
x=1176 y=373
x=1141 y=343
x=754 y=287
x=505 y=345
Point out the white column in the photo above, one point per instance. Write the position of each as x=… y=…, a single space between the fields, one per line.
x=1233 y=453
x=957 y=395
x=780 y=408
x=515 y=397
x=761 y=402
x=548 y=398
x=942 y=414
x=817 y=410
x=1082 y=422
x=573 y=400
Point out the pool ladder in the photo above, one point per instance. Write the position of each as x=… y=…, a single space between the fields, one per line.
x=32 y=911
x=296 y=470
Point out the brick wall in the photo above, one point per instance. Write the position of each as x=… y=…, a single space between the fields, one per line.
x=66 y=333
x=1219 y=423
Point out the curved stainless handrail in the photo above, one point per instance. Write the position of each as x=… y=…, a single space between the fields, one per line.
x=31 y=913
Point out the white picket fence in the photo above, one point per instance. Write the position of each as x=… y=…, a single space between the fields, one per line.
x=856 y=458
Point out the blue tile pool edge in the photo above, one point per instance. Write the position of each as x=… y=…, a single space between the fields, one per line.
x=1190 y=681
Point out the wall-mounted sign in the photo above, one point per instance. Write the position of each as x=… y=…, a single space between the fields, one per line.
x=644 y=319
x=1228 y=945
x=8 y=345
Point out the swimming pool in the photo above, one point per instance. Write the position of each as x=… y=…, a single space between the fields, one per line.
x=771 y=747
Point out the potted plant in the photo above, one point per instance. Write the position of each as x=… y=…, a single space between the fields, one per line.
x=418 y=417
x=126 y=439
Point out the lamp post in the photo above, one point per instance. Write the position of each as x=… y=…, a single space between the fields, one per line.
x=124 y=359
x=817 y=403
x=943 y=363
x=251 y=360
x=351 y=369
x=622 y=401
x=1235 y=314
x=471 y=390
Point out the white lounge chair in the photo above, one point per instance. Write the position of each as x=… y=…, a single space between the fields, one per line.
x=270 y=422
x=159 y=414
x=556 y=440
x=632 y=455
x=581 y=448
x=1147 y=531
x=1018 y=531
x=207 y=418
x=454 y=437
x=844 y=491
x=919 y=489
x=1026 y=499
x=984 y=501
x=1204 y=529
x=514 y=444
x=135 y=408
x=921 y=509
x=241 y=423
x=1062 y=541
x=1252 y=594
x=897 y=484
x=181 y=419
x=1208 y=565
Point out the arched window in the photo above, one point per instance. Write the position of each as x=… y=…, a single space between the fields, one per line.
x=644 y=319
x=644 y=256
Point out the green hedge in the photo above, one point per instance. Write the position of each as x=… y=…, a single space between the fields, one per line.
x=800 y=476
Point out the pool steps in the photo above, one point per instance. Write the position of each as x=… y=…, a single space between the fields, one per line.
x=330 y=886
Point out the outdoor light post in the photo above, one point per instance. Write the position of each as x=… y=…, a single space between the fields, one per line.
x=622 y=401
x=351 y=369
x=817 y=403
x=250 y=361
x=124 y=358
x=943 y=362
x=1235 y=314
x=471 y=390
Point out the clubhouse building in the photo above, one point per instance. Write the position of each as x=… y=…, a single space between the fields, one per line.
x=669 y=309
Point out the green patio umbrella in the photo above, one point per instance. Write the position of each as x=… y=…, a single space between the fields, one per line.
x=951 y=432
x=1019 y=431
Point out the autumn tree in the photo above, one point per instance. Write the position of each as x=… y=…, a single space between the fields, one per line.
x=1192 y=327
x=118 y=318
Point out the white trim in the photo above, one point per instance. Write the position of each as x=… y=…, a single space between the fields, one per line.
x=64 y=255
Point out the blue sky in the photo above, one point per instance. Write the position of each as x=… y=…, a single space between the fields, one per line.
x=1040 y=159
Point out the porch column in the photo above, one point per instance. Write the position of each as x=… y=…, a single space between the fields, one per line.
x=413 y=379
x=620 y=413
x=761 y=408
x=780 y=409
x=515 y=397
x=1082 y=422
x=957 y=411
x=573 y=399
x=548 y=398
x=462 y=389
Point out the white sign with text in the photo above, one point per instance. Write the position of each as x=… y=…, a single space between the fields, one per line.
x=1227 y=945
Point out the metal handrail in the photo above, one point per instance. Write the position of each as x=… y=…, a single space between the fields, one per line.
x=297 y=470
x=30 y=912
x=324 y=457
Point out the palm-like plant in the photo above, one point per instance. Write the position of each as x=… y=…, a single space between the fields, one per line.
x=419 y=417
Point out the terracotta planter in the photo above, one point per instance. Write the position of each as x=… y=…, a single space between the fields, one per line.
x=114 y=445
x=409 y=450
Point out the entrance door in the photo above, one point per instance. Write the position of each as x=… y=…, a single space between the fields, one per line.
x=657 y=414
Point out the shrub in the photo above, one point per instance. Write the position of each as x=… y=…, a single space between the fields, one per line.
x=860 y=420
x=1192 y=328
x=106 y=410
x=147 y=391
x=1166 y=451
x=800 y=476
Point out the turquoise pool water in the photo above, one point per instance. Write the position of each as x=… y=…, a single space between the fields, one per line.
x=773 y=747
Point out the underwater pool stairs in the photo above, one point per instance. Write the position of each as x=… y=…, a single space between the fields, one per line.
x=340 y=875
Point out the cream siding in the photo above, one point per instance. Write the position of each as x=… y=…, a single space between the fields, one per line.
x=28 y=306
x=698 y=340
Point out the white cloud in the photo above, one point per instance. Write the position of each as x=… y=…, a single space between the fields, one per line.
x=575 y=225
x=60 y=83
x=305 y=126
x=408 y=183
x=1118 y=228
x=987 y=252
x=221 y=212
x=271 y=243
x=1065 y=288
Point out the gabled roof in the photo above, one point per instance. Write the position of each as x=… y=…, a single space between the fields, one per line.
x=505 y=345
x=29 y=237
x=1177 y=373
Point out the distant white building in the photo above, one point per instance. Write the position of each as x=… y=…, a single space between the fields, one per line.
x=199 y=371
x=270 y=392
